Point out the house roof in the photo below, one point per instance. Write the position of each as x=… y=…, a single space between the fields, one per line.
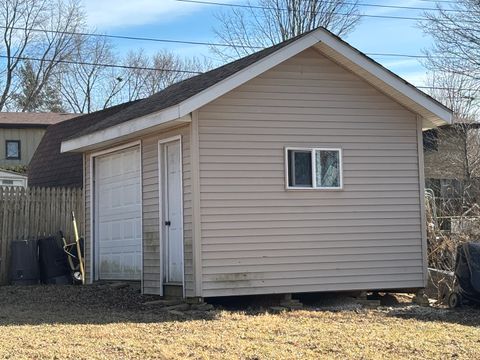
x=32 y=119
x=48 y=166
x=10 y=173
x=182 y=90
x=188 y=95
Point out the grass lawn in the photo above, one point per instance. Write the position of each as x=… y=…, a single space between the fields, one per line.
x=99 y=322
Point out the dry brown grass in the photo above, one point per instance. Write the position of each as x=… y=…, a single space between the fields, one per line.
x=102 y=323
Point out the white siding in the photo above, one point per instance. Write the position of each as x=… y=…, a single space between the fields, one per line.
x=259 y=238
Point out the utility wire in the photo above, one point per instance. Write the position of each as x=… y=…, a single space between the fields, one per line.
x=203 y=43
x=391 y=17
x=174 y=70
x=101 y=64
x=440 y=1
x=399 y=7
x=121 y=37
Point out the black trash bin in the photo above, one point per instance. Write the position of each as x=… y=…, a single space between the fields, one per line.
x=24 y=269
x=54 y=267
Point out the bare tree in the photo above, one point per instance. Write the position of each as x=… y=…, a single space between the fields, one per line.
x=40 y=30
x=456 y=91
x=456 y=36
x=147 y=75
x=87 y=84
x=453 y=165
x=268 y=22
x=136 y=76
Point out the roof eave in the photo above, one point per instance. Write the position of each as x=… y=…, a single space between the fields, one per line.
x=428 y=108
x=340 y=51
x=124 y=131
x=186 y=107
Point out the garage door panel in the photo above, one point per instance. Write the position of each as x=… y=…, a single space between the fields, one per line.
x=118 y=197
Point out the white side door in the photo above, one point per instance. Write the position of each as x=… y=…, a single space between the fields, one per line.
x=118 y=214
x=173 y=219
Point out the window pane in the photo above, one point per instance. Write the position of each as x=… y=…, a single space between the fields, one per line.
x=300 y=168
x=13 y=149
x=328 y=168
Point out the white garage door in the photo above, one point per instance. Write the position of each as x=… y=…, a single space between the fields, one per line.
x=118 y=215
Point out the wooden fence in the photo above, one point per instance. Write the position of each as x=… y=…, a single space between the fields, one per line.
x=33 y=213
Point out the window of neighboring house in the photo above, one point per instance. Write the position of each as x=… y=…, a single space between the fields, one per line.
x=430 y=140
x=12 y=149
x=7 y=182
x=313 y=168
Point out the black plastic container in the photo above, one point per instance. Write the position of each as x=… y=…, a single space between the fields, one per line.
x=24 y=269
x=54 y=267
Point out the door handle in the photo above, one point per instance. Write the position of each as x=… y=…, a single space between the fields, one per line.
x=168 y=223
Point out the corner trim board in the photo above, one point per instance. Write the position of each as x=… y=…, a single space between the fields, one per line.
x=196 y=206
x=421 y=179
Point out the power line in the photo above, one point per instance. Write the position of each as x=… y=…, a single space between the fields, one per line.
x=440 y=1
x=399 y=7
x=391 y=17
x=203 y=43
x=444 y=88
x=172 y=70
x=122 y=37
x=27 y=58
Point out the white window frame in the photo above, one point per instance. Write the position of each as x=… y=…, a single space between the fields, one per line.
x=313 y=151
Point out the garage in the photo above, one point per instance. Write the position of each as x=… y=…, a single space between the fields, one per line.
x=118 y=217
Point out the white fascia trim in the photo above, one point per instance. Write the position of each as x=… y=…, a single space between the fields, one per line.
x=186 y=107
x=124 y=129
x=244 y=75
x=384 y=75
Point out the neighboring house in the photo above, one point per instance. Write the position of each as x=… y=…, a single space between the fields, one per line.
x=296 y=169
x=49 y=167
x=452 y=171
x=11 y=178
x=20 y=134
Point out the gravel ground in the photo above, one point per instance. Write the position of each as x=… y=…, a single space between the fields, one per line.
x=102 y=322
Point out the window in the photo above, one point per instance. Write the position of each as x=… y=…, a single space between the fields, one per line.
x=12 y=149
x=313 y=168
x=7 y=182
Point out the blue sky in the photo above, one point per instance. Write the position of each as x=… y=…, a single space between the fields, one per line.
x=169 y=19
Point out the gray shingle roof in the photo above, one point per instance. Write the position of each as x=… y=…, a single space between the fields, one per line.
x=183 y=90
x=48 y=166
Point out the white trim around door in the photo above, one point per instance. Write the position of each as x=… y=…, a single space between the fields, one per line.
x=162 y=190
x=93 y=243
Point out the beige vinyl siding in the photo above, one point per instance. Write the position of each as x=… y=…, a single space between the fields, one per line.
x=29 y=140
x=150 y=202
x=151 y=250
x=259 y=238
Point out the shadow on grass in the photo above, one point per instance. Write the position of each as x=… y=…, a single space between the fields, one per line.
x=104 y=304
x=466 y=315
x=91 y=304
